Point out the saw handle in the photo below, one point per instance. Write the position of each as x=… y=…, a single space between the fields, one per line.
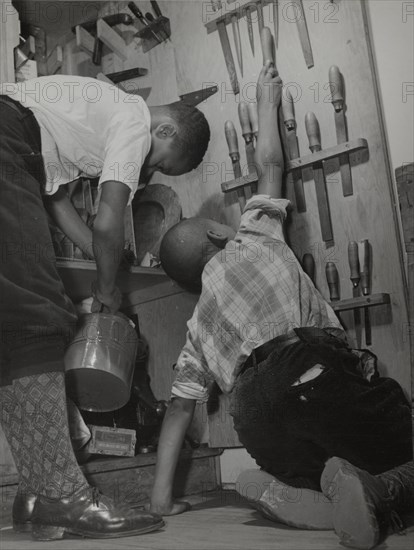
x=266 y=39
x=337 y=88
x=313 y=132
x=353 y=259
x=288 y=110
x=245 y=121
x=333 y=281
x=231 y=138
x=254 y=117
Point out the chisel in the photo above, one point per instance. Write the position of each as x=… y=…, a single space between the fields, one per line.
x=293 y=147
x=333 y=281
x=303 y=32
x=308 y=265
x=250 y=27
x=353 y=259
x=231 y=138
x=225 y=46
x=275 y=5
x=337 y=95
x=364 y=262
x=237 y=42
x=314 y=136
x=268 y=50
x=260 y=19
x=247 y=133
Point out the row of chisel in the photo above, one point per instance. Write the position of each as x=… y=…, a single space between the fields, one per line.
x=314 y=136
x=359 y=258
x=246 y=10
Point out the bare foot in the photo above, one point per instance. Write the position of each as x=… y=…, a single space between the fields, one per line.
x=269 y=90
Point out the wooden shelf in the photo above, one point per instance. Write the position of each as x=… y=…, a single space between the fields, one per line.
x=361 y=302
x=138 y=284
x=301 y=163
x=109 y=464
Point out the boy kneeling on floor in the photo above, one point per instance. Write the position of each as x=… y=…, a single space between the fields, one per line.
x=299 y=394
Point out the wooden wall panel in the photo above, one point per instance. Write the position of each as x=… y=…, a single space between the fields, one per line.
x=338 y=34
x=163 y=324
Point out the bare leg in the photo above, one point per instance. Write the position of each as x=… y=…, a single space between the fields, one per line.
x=268 y=154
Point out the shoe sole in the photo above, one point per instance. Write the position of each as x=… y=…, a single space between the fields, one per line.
x=354 y=517
x=299 y=508
x=56 y=532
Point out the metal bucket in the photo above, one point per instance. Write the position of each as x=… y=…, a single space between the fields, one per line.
x=100 y=362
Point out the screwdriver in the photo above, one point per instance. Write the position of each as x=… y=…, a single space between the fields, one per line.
x=247 y=133
x=353 y=259
x=364 y=262
x=333 y=281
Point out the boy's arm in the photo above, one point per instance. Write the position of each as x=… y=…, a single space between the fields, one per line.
x=68 y=220
x=108 y=243
x=269 y=154
x=177 y=418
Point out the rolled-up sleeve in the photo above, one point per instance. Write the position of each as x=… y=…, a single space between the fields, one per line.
x=192 y=377
x=263 y=216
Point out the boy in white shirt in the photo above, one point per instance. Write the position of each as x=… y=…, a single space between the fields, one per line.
x=54 y=130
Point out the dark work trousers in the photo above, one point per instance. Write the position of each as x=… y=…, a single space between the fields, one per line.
x=36 y=316
x=291 y=430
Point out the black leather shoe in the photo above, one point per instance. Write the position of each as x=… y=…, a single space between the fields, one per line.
x=89 y=514
x=22 y=510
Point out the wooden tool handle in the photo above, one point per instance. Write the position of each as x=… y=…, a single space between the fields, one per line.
x=97 y=51
x=353 y=259
x=231 y=138
x=333 y=281
x=266 y=39
x=156 y=8
x=288 y=110
x=337 y=89
x=313 y=132
x=308 y=264
x=254 y=117
x=364 y=261
x=245 y=121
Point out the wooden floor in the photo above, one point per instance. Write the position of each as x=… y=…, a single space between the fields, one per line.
x=217 y=521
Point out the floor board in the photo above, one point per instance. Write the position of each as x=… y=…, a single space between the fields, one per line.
x=217 y=521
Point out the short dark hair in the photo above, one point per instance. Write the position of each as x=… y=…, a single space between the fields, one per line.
x=183 y=252
x=193 y=132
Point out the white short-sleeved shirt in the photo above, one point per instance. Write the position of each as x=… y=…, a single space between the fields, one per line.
x=88 y=128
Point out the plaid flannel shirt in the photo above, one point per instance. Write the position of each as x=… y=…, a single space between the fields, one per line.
x=252 y=291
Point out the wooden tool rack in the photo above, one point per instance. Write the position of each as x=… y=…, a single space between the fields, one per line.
x=300 y=163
